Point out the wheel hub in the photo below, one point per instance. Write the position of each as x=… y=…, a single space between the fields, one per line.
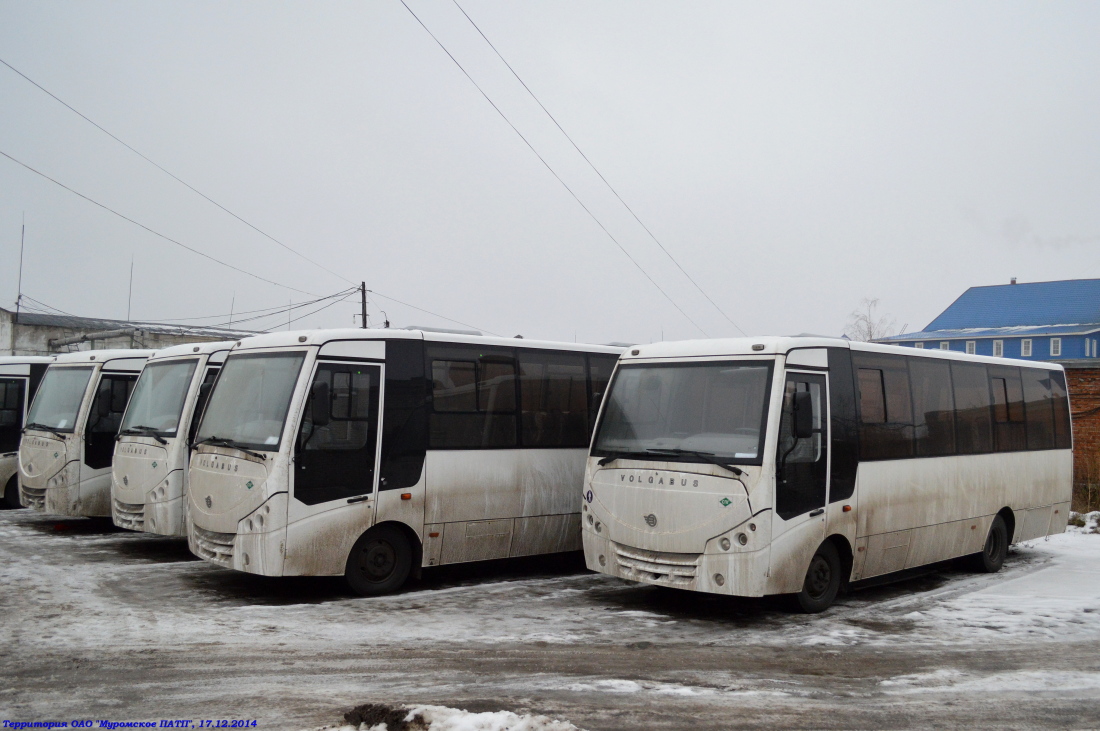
x=377 y=560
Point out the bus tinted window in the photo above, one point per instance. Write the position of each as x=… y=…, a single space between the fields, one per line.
x=884 y=433
x=11 y=412
x=1009 y=429
x=1038 y=409
x=474 y=398
x=933 y=407
x=599 y=373
x=553 y=400
x=973 y=408
x=1062 y=433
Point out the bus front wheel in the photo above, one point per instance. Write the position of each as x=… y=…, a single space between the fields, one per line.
x=822 y=582
x=379 y=562
x=992 y=557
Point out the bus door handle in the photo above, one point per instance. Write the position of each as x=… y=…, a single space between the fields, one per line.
x=359 y=499
x=815 y=513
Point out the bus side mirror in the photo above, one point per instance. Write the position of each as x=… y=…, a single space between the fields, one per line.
x=320 y=404
x=103 y=402
x=803 y=421
x=204 y=391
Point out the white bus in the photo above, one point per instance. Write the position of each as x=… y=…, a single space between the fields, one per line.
x=373 y=453
x=65 y=455
x=19 y=379
x=149 y=475
x=794 y=465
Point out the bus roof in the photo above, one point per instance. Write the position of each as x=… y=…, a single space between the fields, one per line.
x=177 y=351
x=320 y=337
x=116 y=359
x=773 y=346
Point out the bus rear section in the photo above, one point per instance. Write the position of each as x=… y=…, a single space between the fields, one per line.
x=843 y=462
x=20 y=377
x=68 y=443
x=372 y=454
x=149 y=471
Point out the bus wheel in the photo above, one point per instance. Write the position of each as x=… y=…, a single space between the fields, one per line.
x=992 y=557
x=11 y=494
x=379 y=562
x=822 y=580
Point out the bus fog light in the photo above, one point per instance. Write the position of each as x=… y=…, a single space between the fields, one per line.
x=245 y=557
x=742 y=538
x=719 y=579
x=752 y=526
x=725 y=544
x=590 y=520
x=599 y=527
x=603 y=560
x=260 y=520
x=250 y=527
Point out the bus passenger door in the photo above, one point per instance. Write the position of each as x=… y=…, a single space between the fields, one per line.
x=337 y=448
x=801 y=483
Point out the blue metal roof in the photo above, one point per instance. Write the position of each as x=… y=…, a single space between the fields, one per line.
x=1021 y=331
x=1068 y=302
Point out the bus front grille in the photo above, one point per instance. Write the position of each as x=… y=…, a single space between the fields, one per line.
x=216 y=547
x=34 y=497
x=129 y=516
x=677 y=569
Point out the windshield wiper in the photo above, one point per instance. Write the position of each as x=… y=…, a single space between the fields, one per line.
x=145 y=431
x=43 y=427
x=219 y=442
x=705 y=456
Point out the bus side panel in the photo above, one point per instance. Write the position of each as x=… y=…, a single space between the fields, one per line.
x=319 y=544
x=546 y=534
x=473 y=484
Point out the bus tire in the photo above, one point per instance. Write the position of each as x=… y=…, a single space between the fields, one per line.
x=822 y=582
x=11 y=494
x=379 y=562
x=992 y=557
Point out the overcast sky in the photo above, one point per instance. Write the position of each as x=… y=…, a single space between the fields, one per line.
x=794 y=158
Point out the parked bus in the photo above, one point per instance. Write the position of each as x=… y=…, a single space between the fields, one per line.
x=373 y=453
x=19 y=379
x=793 y=465
x=149 y=474
x=69 y=441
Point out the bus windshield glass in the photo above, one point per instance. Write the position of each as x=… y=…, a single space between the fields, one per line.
x=694 y=412
x=157 y=402
x=250 y=400
x=58 y=399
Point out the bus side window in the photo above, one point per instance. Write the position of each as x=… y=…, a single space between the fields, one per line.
x=1038 y=408
x=11 y=413
x=113 y=392
x=801 y=476
x=553 y=400
x=200 y=401
x=973 y=408
x=886 y=412
x=599 y=374
x=1009 y=428
x=473 y=400
x=1063 y=438
x=933 y=407
x=872 y=396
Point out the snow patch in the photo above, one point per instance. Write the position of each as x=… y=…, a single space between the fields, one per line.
x=442 y=718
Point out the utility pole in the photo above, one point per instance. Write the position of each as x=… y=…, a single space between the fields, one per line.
x=19 y=288
x=130 y=294
x=232 y=303
x=363 y=300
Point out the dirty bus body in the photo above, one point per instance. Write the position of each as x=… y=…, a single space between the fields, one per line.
x=793 y=465
x=69 y=441
x=20 y=377
x=149 y=475
x=479 y=445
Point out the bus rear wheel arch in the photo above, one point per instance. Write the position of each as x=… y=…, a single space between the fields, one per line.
x=380 y=561
x=10 y=499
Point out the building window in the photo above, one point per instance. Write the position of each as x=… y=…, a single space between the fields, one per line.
x=1025 y=348
x=970 y=347
x=998 y=348
x=918 y=346
x=1055 y=347
x=944 y=345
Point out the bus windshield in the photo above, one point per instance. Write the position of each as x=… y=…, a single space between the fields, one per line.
x=58 y=399
x=686 y=412
x=250 y=400
x=157 y=402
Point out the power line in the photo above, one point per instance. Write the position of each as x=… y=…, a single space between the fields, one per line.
x=278 y=309
x=172 y=175
x=330 y=304
x=155 y=233
x=596 y=170
x=433 y=314
x=552 y=171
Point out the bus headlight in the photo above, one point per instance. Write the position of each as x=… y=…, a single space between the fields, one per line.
x=725 y=544
x=742 y=539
